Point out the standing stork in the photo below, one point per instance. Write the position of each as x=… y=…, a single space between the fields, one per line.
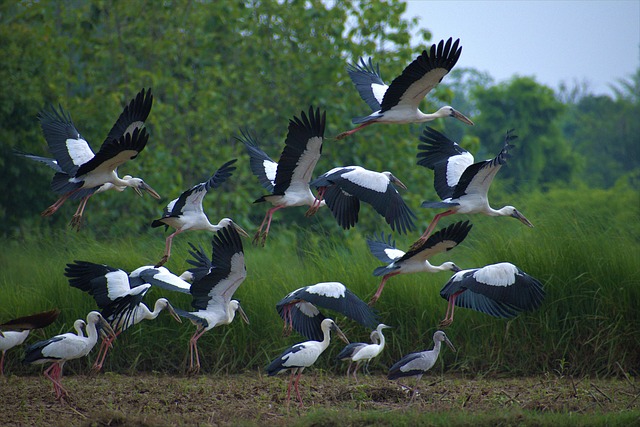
x=369 y=351
x=344 y=188
x=293 y=171
x=416 y=260
x=65 y=347
x=84 y=170
x=186 y=213
x=399 y=102
x=119 y=295
x=416 y=364
x=300 y=356
x=461 y=184
x=353 y=348
x=299 y=312
x=15 y=331
x=212 y=291
x=499 y=290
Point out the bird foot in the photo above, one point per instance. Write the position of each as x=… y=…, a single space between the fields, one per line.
x=49 y=211
x=372 y=301
x=259 y=239
x=162 y=261
x=417 y=244
x=310 y=212
x=343 y=135
x=446 y=322
x=76 y=222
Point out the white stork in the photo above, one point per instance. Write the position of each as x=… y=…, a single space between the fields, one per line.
x=344 y=187
x=416 y=260
x=462 y=184
x=84 y=170
x=399 y=102
x=499 y=290
x=186 y=213
x=65 y=347
x=119 y=295
x=299 y=312
x=352 y=349
x=15 y=331
x=369 y=351
x=214 y=284
x=300 y=356
x=290 y=183
x=416 y=364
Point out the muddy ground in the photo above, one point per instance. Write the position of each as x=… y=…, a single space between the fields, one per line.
x=255 y=399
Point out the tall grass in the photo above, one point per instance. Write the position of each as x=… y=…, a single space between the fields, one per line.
x=584 y=249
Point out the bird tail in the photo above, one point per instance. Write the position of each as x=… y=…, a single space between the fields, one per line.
x=381 y=271
x=364 y=119
x=438 y=204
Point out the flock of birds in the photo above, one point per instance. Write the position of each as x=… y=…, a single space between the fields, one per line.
x=500 y=290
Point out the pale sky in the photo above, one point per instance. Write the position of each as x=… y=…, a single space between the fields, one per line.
x=553 y=41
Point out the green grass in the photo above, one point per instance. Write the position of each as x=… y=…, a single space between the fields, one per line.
x=585 y=249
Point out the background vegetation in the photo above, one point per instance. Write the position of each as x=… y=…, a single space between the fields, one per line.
x=216 y=67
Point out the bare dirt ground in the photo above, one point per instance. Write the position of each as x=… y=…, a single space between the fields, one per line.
x=255 y=399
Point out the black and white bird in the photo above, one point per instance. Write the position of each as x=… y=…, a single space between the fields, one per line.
x=460 y=183
x=84 y=170
x=416 y=364
x=352 y=349
x=289 y=186
x=416 y=260
x=186 y=213
x=120 y=295
x=65 y=347
x=300 y=356
x=15 y=331
x=499 y=290
x=344 y=187
x=299 y=312
x=215 y=282
x=367 y=352
x=399 y=102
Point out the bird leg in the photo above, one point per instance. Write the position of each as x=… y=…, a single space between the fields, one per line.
x=193 y=348
x=430 y=228
x=349 y=368
x=54 y=207
x=448 y=318
x=293 y=372
x=386 y=277
x=355 y=371
x=352 y=131
x=296 y=386
x=54 y=374
x=2 y=363
x=288 y=320
x=167 y=248
x=316 y=202
x=267 y=218
x=76 y=220
x=414 y=392
x=105 y=345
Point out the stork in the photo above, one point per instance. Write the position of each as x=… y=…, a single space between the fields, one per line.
x=300 y=356
x=416 y=364
x=119 y=295
x=299 y=312
x=290 y=183
x=416 y=260
x=499 y=290
x=399 y=102
x=15 y=331
x=84 y=170
x=352 y=349
x=65 y=347
x=186 y=213
x=344 y=188
x=462 y=184
x=369 y=351
x=211 y=292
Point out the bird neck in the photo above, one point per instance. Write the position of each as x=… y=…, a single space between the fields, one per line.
x=326 y=338
x=436 y=348
x=157 y=309
x=381 y=344
x=92 y=333
x=504 y=211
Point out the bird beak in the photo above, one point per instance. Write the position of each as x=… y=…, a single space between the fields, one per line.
x=240 y=230
x=340 y=334
x=446 y=340
x=107 y=328
x=461 y=117
x=173 y=313
x=144 y=186
x=243 y=315
x=521 y=217
x=455 y=268
x=399 y=183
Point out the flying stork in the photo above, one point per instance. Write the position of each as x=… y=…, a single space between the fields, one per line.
x=215 y=282
x=416 y=260
x=499 y=290
x=289 y=185
x=352 y=349
x=300 y=356
x=299 y=312
x=84 y=170
x=186 y=213
x=65 y=347
x=119 y=295
x=416 y=364
x=344 y=187
x=461 y=184
x=368 y=351
x=399 y=102
x=15 y=331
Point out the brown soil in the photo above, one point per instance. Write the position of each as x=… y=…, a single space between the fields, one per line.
x=255 y=399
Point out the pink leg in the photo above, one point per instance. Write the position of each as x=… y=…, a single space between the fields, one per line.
x=267 y=218
x=53 y=208
x=105 y=345
x=355 y=376
x=381 y=287
x=316 y=203
x=293 y=372
x=352 y=131
x=430 y=228
x=288 y=320
x=76 y=221
x=167 y=247
x=193 y=349
x=296 y=386
x=448 y=318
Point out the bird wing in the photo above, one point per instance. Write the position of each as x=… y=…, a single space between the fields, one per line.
x=115 y=152
x=441 y=241
x=65 y=143
x=32 y=321
x=160 y=277
x=227 y=274
x=104 y=283
x=344 y=206
x=421 y=76
x=202 y=263
x=477 y=178
x=133 y=116
x=368 y=82
x=305 y=317
x=52 y=163
x=350 y=350
x=445 y=157
x=407 y=366
x=302 y=150
x=383 y=248
x=121 y=312
x=262 y=166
